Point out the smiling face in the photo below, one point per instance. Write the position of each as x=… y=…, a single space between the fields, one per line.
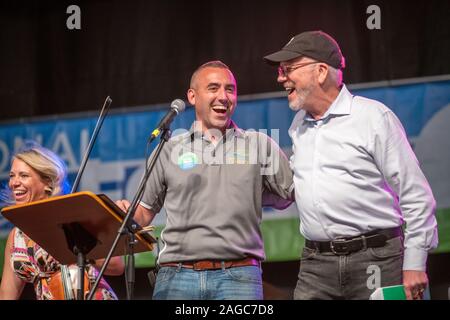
x=213 y=92
x=25 y=183
x=299 y=82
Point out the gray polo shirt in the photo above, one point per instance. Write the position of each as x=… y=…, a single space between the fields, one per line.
x=213 y=194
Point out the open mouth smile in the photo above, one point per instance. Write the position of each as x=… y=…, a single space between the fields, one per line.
x=220 y=109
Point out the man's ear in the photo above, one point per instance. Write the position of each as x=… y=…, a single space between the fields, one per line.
x=323 y=73
x=191 y=96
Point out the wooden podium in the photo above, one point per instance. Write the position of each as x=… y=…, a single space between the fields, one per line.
x=53 y=222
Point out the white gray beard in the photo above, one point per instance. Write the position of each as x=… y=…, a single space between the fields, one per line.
x=299 y=102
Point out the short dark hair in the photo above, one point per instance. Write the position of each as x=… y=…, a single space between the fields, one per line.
x=209 y=64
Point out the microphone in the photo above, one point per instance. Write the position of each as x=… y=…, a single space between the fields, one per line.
x=176 y=107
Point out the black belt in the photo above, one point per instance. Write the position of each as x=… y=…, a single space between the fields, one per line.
x=343 y=246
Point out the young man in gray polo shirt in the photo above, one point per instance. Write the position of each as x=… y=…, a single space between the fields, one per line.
x=213 y=181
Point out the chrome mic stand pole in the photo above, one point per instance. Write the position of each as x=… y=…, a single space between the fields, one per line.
x=79 y=249
x=126 y=224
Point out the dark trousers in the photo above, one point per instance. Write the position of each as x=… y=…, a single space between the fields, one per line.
x=325 y=275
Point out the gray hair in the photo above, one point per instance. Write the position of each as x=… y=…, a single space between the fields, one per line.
x=335 y=75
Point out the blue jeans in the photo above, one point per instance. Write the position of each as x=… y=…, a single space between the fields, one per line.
x=238 y=283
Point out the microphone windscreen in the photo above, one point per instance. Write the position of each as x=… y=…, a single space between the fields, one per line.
x=178 y=105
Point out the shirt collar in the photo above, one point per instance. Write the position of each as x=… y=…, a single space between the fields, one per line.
x=340 y=106
x=232 y=130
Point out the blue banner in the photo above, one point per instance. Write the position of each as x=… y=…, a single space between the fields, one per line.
x=117 y=160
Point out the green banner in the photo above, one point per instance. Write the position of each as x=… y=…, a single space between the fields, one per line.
x=283 y=242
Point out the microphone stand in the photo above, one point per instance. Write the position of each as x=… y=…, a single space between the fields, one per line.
x=99 y=124
x=79 y=240
x=127 y=226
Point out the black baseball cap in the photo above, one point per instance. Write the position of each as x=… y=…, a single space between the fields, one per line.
x=314 y=44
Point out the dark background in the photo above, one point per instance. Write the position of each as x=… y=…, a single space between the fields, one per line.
x=143 y=52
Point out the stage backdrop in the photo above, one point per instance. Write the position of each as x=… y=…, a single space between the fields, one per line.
x=117 y=161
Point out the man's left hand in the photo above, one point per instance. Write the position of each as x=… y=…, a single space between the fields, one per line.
x=415 y=283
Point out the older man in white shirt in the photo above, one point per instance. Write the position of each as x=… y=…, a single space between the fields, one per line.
x=357 y=181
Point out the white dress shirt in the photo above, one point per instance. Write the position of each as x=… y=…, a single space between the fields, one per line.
x=354 y=172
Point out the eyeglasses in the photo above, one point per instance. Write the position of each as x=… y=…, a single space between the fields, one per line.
x=283 y=71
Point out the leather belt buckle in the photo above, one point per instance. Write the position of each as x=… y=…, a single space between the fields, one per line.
x=339 y=247
x=216 y=264
x=202 y=265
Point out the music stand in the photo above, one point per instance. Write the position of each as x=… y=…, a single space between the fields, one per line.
x=75 y=227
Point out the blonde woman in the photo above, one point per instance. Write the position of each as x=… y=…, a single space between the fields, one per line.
x=37 y=173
